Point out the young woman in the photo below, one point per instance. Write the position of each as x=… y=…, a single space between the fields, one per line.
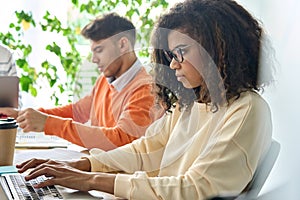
x=217 y=127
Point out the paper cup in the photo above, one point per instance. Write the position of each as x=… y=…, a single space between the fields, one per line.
x=8 y=132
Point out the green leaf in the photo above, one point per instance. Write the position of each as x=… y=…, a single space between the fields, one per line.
x=21 y=62
x=139 y=2
x=25 y=82
x=75 y=2
x=52 y=82
x=32 y=90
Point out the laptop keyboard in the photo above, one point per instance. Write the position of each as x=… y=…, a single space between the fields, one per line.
x=26 y=191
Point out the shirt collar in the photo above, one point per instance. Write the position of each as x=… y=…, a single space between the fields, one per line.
x=125 y=78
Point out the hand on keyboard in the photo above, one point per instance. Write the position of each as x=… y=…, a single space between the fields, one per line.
x=26 y=191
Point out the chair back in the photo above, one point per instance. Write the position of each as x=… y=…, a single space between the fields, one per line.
x=262 y=172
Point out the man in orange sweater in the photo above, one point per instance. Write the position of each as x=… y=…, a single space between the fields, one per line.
x=121 y=105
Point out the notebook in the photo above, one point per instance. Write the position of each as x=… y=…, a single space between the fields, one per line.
x=9 y=91
x=34 y=140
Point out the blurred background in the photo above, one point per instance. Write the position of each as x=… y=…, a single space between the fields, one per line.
x=279 y=19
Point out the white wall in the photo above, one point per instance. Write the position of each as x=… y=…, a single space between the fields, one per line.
x=281 y=20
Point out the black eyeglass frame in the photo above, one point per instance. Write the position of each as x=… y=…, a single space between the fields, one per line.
x=170 y=55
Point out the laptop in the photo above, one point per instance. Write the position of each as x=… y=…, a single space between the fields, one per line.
x=14 y=187
x=9 y=91
x=10 y=189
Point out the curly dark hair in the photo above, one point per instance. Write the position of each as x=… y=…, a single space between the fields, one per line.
x=231 y=37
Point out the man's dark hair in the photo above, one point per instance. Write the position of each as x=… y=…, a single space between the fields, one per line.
x=109 y=25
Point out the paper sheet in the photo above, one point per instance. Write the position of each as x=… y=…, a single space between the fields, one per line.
x=55 y=154
x=39 y=141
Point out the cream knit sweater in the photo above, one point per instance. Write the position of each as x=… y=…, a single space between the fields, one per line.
x=192 y=154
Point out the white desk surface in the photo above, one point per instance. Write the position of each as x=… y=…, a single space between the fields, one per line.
x=72 y=152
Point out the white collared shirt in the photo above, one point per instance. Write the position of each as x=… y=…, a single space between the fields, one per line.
x=125 y=78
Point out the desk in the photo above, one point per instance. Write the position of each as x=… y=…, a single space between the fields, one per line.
x=72 y=152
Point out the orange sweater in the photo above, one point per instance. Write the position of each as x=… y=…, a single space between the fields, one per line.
x=116 y=117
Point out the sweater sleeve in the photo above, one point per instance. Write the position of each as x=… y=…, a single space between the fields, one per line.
x=137 y=114
x=64 y=121
x=142 y=154
x=79 y=111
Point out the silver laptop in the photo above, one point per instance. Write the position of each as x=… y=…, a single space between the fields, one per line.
x=9 y=91
x=14 y=187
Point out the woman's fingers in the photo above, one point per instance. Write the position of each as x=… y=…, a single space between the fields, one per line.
x=30 y=164
x=61 y=175
x=47 y=171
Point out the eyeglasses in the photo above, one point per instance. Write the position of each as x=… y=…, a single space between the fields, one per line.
x=176 y=53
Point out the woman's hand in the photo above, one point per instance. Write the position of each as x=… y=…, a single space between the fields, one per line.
x=82 y=164
x=61 y=174
x=66 y=174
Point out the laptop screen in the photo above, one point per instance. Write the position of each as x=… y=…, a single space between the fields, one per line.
x=9 y=91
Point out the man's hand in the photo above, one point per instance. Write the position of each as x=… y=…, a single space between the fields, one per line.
x=32 y=120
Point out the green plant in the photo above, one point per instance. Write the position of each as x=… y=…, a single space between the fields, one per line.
x=13 y=39
x=69 y=57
